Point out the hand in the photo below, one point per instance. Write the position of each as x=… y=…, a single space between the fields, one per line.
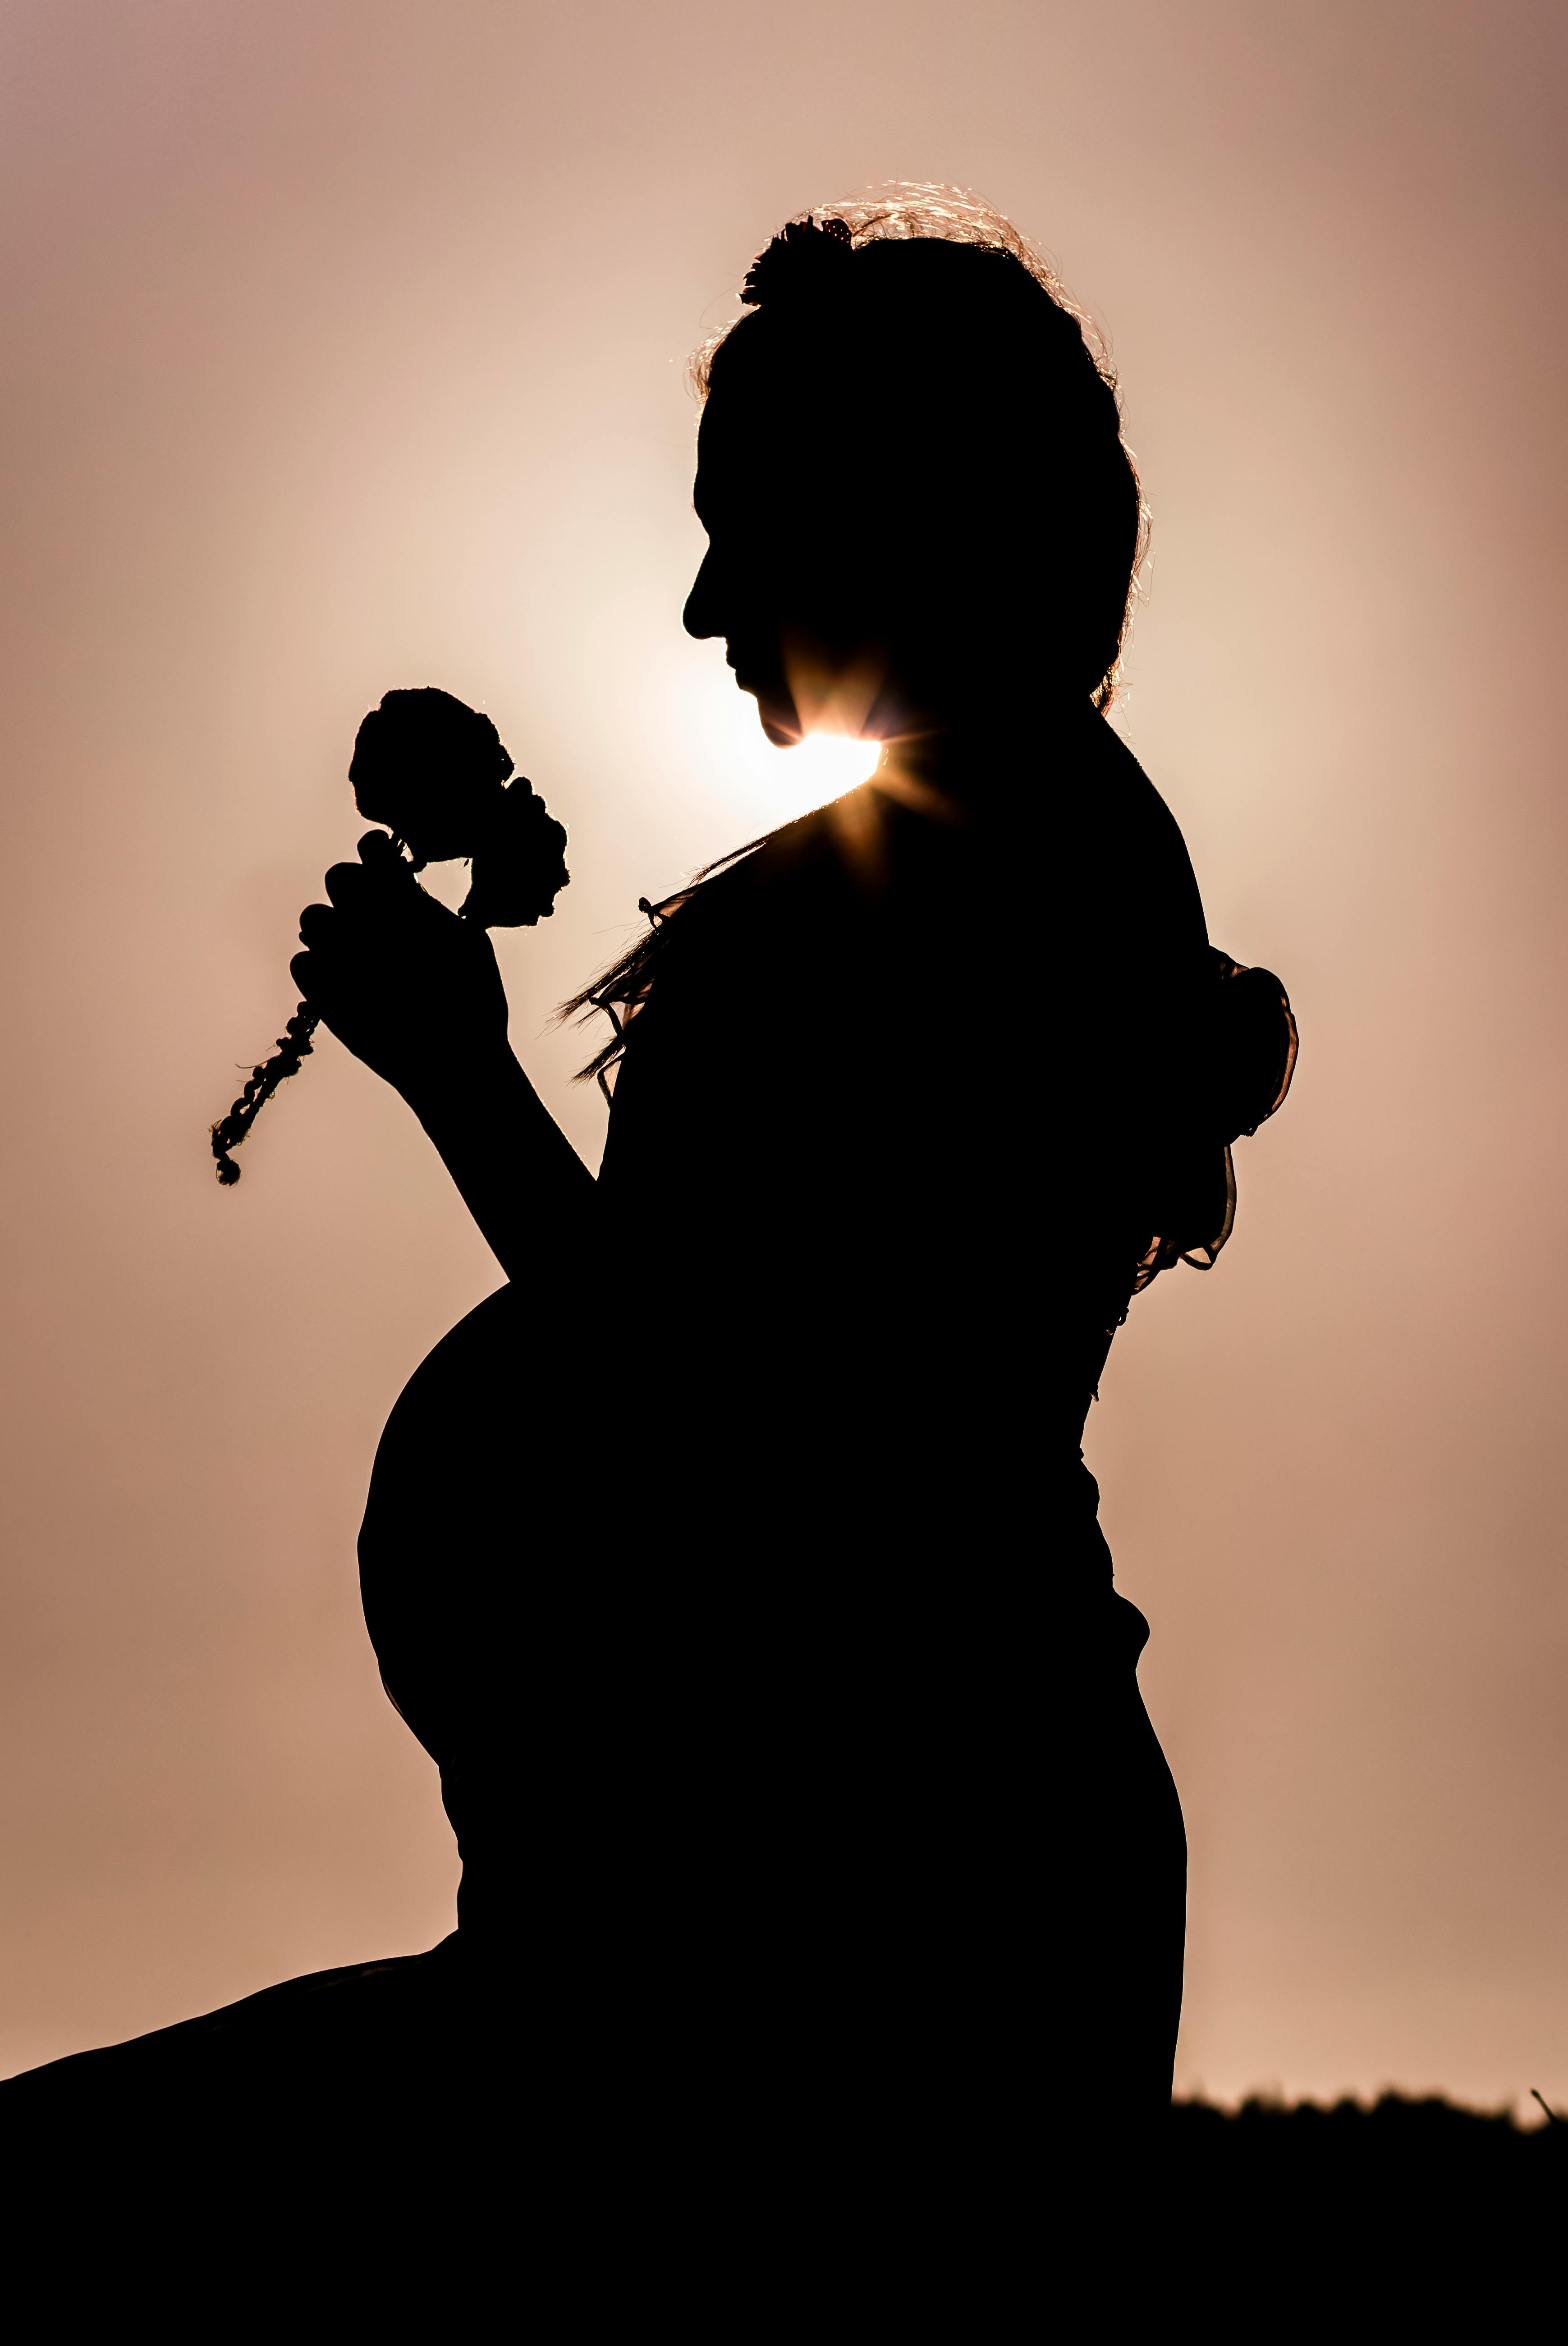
x=411 y=990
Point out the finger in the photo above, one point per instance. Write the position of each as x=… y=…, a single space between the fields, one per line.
x=346 y=884
x=316 y=924
x=302 y=969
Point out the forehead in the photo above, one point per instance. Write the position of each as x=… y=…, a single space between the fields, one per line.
x=755 y=446
x=738 y=457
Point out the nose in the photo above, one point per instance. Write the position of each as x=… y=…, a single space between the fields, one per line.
x=701 y=617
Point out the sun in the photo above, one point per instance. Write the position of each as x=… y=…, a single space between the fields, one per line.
x=825 y=765
x=763 y=785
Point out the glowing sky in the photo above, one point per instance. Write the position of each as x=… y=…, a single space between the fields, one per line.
x=346 y=345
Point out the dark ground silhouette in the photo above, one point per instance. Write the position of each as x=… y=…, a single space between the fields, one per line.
x=1283 y=2218
x=392 y=2162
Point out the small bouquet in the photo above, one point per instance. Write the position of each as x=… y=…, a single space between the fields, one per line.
x=437 y=775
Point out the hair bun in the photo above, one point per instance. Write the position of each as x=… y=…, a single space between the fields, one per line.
x=807 y=256
x=1252 y=1048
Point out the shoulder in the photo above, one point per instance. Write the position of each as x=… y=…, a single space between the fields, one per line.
x=780 y=904
x=812 y=855
x=717 y=947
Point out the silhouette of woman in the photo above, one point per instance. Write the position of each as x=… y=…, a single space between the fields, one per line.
x=738 y=1560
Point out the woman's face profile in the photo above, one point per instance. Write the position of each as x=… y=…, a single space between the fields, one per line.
x=780 y=581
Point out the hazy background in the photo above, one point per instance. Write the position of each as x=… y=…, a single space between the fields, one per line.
x=343 y=347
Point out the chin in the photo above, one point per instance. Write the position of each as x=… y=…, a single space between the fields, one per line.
x=776 y=715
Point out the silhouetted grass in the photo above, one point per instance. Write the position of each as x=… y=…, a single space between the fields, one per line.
x=1408 y=2203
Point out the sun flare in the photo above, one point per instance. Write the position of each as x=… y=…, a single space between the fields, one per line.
x=825 y=765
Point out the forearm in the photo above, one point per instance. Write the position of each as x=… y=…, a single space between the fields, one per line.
x=518 y=1174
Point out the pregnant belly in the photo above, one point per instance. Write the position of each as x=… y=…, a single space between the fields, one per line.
x=654 y=1685
x=540 y=1647
x=487 y=1530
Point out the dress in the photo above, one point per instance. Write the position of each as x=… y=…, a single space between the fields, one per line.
x=766 y=1636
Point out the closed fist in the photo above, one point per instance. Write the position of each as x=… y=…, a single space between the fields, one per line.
x=410 y=989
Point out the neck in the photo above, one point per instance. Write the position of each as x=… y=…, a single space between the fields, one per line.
x=971 y=758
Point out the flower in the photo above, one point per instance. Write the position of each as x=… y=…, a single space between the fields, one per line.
x=519 y=866
x=433 y=770
x=435 y=773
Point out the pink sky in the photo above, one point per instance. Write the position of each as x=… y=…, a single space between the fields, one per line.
x=345 y=348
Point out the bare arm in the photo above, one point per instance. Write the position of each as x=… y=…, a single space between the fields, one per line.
x=415 y=992
x=518 y=1174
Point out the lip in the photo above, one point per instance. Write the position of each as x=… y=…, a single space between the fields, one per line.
x=764 y=685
